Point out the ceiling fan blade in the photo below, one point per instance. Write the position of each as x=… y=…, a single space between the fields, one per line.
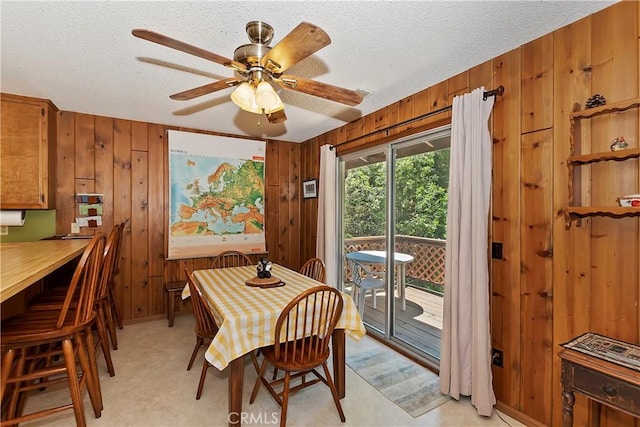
x=163 y=40
x=277 y=116
x=206 y=89
x=322 y=90
x=302 y=41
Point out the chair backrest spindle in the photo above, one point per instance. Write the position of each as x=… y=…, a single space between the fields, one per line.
x=230 y=259
x=85 y=279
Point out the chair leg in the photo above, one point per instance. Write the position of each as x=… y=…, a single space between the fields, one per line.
x=375 y=295
x=74 y=386
x=172 y=308
x=111 y=326
x=14 y=402
x=285 y=399
x=203 y=375
x=199 y=343
x=334 y=391
x=114 y=306
x=89 y=378
x=94 y=386
x=7 y=364
x=361 y=298
x=104 y=340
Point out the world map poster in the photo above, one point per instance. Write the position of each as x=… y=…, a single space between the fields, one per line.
x=216 y=195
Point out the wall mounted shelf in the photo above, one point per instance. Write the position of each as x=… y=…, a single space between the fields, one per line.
x=574 y=210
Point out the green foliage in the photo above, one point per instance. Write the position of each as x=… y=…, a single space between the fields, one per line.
x=421 y=197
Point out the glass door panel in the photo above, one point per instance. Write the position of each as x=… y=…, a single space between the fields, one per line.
x=420 y=171
x=393 y=213
x=364 y=200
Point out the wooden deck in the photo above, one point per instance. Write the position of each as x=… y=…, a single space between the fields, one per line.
x=420 y=324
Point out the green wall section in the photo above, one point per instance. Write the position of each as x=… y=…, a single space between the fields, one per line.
x=38 y=224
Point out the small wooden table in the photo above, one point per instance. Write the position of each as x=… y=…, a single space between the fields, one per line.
x=603 y=382
x=23 y=264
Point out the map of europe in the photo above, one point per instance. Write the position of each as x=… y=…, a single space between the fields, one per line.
x=216 y=196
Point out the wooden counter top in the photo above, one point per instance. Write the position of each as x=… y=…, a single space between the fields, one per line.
x=23 y=264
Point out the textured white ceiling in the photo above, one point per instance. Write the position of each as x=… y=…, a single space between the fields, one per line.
x=82 y=56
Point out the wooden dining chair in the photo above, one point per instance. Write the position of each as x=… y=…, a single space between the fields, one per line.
x=113 y=301
x=315 y=269
x=104 y=319
x=230 y=259
x=31 y=341
x=302 y=335
x=206 y=327
x=364 y=280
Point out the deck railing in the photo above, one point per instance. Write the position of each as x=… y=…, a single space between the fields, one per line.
x=429 y=255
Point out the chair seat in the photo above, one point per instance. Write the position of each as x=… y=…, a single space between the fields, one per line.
x=288 y=351
x=38 y=327
x=368 y=283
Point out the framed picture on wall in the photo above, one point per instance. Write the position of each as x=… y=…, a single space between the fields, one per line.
x=310 y=189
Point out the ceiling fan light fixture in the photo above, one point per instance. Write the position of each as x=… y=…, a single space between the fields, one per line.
x=244 y=97
x=266 y=97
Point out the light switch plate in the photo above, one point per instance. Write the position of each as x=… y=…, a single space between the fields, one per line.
x=75 y=229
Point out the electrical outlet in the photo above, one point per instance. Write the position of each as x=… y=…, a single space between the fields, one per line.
x=496 y=250
x=497 y=357
x=4 y=230
x=75 y=229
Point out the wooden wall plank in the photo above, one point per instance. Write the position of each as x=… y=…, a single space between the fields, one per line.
x=537 y=84
x=65 y=172
x=294 y=183
x=272 y=203
x=572 y=264
x=438 y=97
x=284 y=195
x=158 y=205
x=458 y=83
x=615 y=290
x=537 y=273
x=139 y=142
x=505 y=273
x=405 y=112
x=141 y=293
x=104 y=168
x=122 y=209
x=84 y=146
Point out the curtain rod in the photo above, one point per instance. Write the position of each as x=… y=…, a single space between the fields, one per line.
x=499 y=91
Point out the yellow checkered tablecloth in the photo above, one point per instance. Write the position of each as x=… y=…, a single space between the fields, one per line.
x=247 y=315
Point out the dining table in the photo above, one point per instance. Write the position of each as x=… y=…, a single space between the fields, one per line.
x=246 y=317
x=25 y=263
x=400 y=260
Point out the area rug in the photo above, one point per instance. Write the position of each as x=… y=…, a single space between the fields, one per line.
x=409 y=385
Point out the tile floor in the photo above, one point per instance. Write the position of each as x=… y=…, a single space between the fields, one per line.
x=153 y=388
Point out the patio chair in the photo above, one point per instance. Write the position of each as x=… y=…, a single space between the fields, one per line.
x=364 y=280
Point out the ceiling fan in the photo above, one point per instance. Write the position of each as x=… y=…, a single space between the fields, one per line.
x=258 y=65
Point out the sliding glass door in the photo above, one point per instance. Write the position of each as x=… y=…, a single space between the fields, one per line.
x=393 y=215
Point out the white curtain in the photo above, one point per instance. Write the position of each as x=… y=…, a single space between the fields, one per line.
x=326 y=228
x=465 y=360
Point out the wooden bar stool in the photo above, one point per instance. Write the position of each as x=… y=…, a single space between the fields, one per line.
x=173 y=291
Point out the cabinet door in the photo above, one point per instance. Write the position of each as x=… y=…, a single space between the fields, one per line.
x=26 y=151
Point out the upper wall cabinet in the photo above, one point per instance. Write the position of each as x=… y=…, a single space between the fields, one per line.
x=28 y=153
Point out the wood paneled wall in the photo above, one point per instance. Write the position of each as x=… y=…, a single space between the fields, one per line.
x=126 y=161
x=552 y=284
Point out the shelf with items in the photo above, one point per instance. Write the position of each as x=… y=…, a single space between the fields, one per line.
x=577 y=158
x=576 y=213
